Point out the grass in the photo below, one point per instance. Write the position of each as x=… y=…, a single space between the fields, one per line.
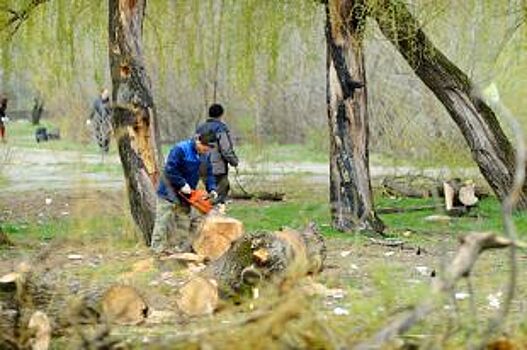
x=21 y=133
x=376 y=291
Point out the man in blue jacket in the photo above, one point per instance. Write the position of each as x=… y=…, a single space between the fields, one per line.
x=223 y=154
x=180 y=177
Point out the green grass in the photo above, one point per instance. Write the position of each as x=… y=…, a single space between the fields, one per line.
x=297 y=213
x=71 y=229
x=282 y=153
x=485 y=217
x=21 y=133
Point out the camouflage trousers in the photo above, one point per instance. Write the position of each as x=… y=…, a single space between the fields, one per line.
x=175 y=226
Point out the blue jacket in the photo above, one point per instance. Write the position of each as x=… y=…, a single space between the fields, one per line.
x=182 y=166
x=224 y=153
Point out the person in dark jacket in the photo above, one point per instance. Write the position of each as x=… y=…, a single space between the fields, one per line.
x=180 y=177
x=223 y=155
x=100 y=119
x=3 y=117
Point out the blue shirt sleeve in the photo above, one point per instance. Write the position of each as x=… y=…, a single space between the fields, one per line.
x=172 y=168
x=211 y=181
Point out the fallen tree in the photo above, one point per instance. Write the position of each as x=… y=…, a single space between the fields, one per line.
x=276 y=257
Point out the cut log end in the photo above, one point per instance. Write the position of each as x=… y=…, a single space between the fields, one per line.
x=123 y=305
x=198 y=297
x=216 y=235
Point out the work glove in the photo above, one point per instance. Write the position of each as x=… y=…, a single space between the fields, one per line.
x=185 y=189
x=213 y=195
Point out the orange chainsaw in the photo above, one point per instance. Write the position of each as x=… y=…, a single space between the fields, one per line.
x=199 y=199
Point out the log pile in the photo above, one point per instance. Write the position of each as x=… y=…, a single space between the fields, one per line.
x=459 y=196
x=420 y=186
x=252 y=258
x=237 y=264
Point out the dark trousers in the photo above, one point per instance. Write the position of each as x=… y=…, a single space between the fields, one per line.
x=222 y=187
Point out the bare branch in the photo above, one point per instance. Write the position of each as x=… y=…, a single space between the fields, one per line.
x=508 y=206
x=471 y=247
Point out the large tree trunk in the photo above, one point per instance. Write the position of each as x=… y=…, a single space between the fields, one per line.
x=134 y=121
x=490 y=147
x=350 y=188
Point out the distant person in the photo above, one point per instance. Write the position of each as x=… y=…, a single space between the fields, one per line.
x=3 y=117
x=222 y=155
x=38 y=109
x=180 y=177
x=100 y=119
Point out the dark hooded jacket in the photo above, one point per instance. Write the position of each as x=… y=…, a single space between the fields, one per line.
x=224 y=153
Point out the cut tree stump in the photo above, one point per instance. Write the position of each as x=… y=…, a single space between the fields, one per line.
x=215 y=236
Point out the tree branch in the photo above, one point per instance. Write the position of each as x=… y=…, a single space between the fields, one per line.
x=471 y=247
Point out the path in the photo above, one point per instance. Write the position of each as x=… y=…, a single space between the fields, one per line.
x=33 y=169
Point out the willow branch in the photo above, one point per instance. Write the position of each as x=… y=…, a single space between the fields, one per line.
x=16 y=18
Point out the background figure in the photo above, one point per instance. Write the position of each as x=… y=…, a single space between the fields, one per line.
x=38 y=109
x=100 y=119
x=223 y=154
x=3 y=117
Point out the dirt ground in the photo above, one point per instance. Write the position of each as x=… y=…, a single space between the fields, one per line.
x=363 y=284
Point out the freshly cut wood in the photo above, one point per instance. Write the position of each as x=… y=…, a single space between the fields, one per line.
x=449 y=192
x=198 y=297
x=459 y=196
x=123 y=305
x=186 y=257
x=269 y=256
x=467 y=195
x=40 y=325
x=6 y=281
x=215 y=236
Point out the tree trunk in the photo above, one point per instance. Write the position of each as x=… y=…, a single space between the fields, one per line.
x=350 y=188
x=490 y=148
x=134 y=120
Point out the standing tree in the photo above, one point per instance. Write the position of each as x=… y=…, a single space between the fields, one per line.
x=351 y=197
x=134 y=120
x=490 y=147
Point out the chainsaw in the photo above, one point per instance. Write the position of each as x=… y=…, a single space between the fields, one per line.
x=198 y=199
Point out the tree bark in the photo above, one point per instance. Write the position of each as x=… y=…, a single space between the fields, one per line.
x=134 y=120
x=489 y=145
x=351 y=197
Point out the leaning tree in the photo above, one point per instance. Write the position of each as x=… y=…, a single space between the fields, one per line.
x=490 y=147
